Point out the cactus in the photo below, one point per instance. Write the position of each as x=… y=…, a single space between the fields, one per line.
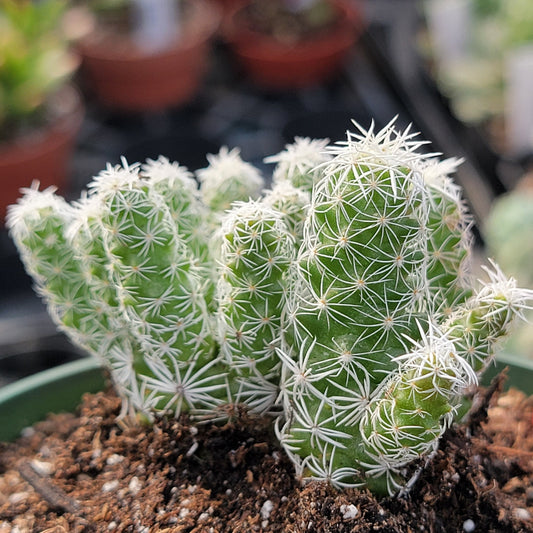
x=115 y=268
x=449 y=238
x=71 y=279
x=160 y=289
x=257 y=250
x=341 y=300
x=382 y=336
x=292 y=203
x=299 y=163
x=297 y=169
x=227 y=179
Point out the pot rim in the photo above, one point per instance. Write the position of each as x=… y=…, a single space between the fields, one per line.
x=75 y=378
x=30 y=399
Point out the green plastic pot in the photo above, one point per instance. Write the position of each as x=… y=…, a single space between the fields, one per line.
x=57 y=389
x=30 y=399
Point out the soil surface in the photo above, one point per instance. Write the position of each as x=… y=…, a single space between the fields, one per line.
x=84 y=472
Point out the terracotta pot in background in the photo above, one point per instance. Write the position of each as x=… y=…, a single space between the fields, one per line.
x=43 y=155
x=124 y=77
x=272 y=64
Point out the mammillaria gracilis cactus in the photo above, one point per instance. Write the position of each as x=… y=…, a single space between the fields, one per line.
x=132 y=276
x=353 y=314
x=382 y=335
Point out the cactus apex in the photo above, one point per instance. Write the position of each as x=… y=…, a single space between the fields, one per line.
x=228 y=178
x=164 y=170
x=30 y=203
x=300 y=162
x=501 y=288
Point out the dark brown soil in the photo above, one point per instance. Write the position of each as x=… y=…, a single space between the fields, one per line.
x=85 y=473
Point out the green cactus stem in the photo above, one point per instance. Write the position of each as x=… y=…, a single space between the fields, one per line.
x=292 y=202
x=180 y=192
x=487 y=318
x=38 y=224
x=257 y=250
x=418 y=403
x=227 y=179
x=380 y=317
x=71 y=279
x=449 y=238
x=300 y=162
x=161 y=292
x=121 y=354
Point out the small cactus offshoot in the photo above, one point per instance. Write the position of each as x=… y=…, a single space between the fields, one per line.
x=341 y=301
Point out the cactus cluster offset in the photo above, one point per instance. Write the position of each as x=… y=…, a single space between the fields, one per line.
x=341 y=301
x=257 y=250
x=136 y=283
x=383 y=332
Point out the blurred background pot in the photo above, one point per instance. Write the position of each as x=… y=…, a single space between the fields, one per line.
x=44 y=153
x=282 y=45
x=40 y=112
x=126 y=73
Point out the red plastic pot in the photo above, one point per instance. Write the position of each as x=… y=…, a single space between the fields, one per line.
x=43 y=155
x=124 y=77
x=273 y=64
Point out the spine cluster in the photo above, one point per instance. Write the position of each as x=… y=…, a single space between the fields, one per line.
x=257 y=250
x=341 y=300
x=384 y=331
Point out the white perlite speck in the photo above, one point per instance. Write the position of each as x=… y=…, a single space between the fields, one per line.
x=18 y=497
x=114 y=459
x=522 y=514
x=134 y=486
x=192 y=449
x=44 y=468
x=349 y=512
x=110 y=485
x=266 y=509
x=469 y=526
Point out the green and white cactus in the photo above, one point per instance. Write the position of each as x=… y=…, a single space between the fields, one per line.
x=228 y=179
x=122 y=278
x=382 y=332
x=342 y=299
x=257 y=251
x=300 y=162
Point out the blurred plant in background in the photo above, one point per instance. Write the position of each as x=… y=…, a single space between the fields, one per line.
x=289 y=21
x=151 y=25
x=35 y=62
x=476 y=78
x=508 y=230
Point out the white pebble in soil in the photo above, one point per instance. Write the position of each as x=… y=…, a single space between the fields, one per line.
x=469 y=526
x=349 y=512
x=266 y=509
x=110 y=486
x=43 y=468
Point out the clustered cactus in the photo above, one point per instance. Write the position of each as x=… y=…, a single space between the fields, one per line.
x=340 y=301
